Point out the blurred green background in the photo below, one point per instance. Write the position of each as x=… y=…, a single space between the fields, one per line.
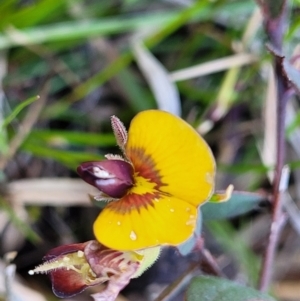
x=88 y=60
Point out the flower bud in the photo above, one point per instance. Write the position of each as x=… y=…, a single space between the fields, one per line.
x=73 y=268
x=69 y=270
x=112 y=177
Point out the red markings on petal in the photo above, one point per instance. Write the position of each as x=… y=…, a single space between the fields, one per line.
x=104 y=261
x=145 y=166
x=133 y=201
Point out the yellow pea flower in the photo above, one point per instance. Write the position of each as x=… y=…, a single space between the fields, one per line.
x=168 y=170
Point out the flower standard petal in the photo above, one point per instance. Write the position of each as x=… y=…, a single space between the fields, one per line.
x=180 y=157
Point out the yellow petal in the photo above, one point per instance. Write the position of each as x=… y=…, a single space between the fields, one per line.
x=164 y=221
x=167 y=150
x=174 y=173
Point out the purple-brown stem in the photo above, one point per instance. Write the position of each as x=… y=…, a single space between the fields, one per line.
x=275 y=34
x=278 y=219
x=211 y=263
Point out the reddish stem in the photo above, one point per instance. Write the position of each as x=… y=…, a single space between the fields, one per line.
x=211 y=263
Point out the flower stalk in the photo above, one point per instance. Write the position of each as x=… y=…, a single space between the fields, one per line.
x=275 y=19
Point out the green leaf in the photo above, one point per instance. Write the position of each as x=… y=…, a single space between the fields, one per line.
x=3 y=133
x=69 y=158
x=3 y=143
x=240 y=202
x=22 y=226
x=208 y=288
x=237 y=247
x=39 y=11
x=17 y=110
x=201 y=10
x=67 y=138
x=90 y=28
x=137 y=96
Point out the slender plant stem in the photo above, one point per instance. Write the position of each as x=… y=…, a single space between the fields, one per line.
x=278 y=218
x=179 y=284
x=211 y=262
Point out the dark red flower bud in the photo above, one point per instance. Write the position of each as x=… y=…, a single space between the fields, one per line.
x=112 y=177
x=69 y=270
x=73 y=268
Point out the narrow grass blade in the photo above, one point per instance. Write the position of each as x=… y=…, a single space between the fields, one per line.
x=17 y=110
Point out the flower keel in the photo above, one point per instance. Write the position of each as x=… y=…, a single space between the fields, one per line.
x=112 y=177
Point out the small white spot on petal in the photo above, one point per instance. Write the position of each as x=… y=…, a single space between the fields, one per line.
x=132 y=235
x=172 y=210
x=190 y=222
x=66 y=258
x=156 y=200
x=209 y=178
x=31 y=272
x=80 y=254
x=118 y=223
